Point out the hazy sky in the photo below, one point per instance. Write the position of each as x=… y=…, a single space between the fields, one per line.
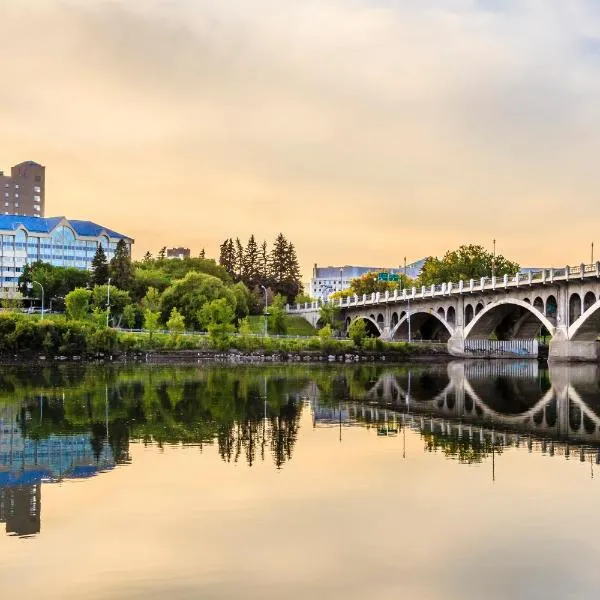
x=364 y=130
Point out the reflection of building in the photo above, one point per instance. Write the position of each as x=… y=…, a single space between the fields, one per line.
x=23 y=191
x=26 y=463
x=55 y=240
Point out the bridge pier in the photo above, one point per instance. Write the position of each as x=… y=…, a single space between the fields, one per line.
x=574 y=350
x=456 y=343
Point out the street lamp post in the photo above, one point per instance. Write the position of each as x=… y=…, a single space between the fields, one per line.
x=266 y=313
x=42 y=288
x=342 y=278
x=494 y=261
x=108 y=303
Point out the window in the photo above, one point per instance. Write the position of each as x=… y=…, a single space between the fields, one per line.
x=16 y=186
x=16 y=204
x=36 y=207
x=6 y=204
x=6 y=194
x=37 y=189
x=16 y=195
x=38 y=178
x=36 y=198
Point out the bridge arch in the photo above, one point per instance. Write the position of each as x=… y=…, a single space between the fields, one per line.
x=574 y=307
x=451 y=315
x=538 y=304
x=371 y=323
x=588 y=301
x=426 y=325
x=469 y=313
x=586 y=328
x=510 y=318
x=551 y=306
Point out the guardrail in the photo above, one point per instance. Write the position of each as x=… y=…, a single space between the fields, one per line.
x=462 y=287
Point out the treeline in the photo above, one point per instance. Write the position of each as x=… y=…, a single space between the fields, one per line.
x=255 y=265
x=189 y=294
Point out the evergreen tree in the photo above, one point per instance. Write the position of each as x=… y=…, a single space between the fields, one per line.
x=227 y=256
x=147 y=257
x=162 y=253
x=277 y=262
x=99 y=267
x=202 y=254
x=121 y=269
x=251 y=275
x=263 y=264
x=239 y=260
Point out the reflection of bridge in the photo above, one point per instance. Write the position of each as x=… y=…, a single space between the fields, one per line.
x=566 y=302
x=501 y=402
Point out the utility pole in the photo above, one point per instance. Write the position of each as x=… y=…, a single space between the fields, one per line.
x=494 y=260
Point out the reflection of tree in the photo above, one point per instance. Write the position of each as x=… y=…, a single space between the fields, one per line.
x=245 y=411
x=461 y=448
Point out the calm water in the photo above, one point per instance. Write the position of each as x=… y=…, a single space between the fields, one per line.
x=475 y=480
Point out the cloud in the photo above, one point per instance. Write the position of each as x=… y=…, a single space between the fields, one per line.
x=412 y=125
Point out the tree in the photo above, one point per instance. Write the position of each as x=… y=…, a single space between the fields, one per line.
x=151 y=320
x=284 y=269
x=119 y=299
x=202 y=254
x=277 y=322
x=242 y=300
x=99 y=267
x=217 y=316
x=151 y=300
x=239 y=260
x=227 y=256
x=77 y=304
x=190 y=294
x=121 y=268
x=57 y=281
x=263 y=264
x=467 y=262
x=130 y=314
x=251 y=275
x=147 y=257
x=330 y=315
x=357 y=332
x=176 y=322
x=162 y=253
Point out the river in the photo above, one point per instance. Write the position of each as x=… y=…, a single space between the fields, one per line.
x=442 y=481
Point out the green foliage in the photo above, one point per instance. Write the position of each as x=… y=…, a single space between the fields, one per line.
x=330 y=315
x=99 y=267
x=277 y=316
x=77 y=304
x=217 y=316
x=325 y=333
x=25 y=335
x=357 y=332
x=176 y=322
x=119 y=299
x=191 y=293
x=151 y=300
x=242 y=300
x=57 y=281
x=130 y=316
x=146 y=277
x=151 y=321
x=121 y=268
x=467 y=262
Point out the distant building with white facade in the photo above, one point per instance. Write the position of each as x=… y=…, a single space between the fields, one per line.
x=328 y=280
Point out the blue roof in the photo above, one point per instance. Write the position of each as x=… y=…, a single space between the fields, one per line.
x=46 y=225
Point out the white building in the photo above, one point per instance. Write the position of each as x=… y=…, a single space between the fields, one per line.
x=328 y=280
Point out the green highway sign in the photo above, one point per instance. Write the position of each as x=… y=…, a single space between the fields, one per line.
x=388 y=277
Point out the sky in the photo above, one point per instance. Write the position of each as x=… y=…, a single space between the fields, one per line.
x=364 y=130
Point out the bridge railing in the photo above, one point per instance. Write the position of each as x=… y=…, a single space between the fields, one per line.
x=542 y=276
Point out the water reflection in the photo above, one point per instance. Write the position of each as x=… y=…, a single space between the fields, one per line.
x=58 y=424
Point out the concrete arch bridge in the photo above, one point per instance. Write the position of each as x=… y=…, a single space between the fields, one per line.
x=490 y=317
